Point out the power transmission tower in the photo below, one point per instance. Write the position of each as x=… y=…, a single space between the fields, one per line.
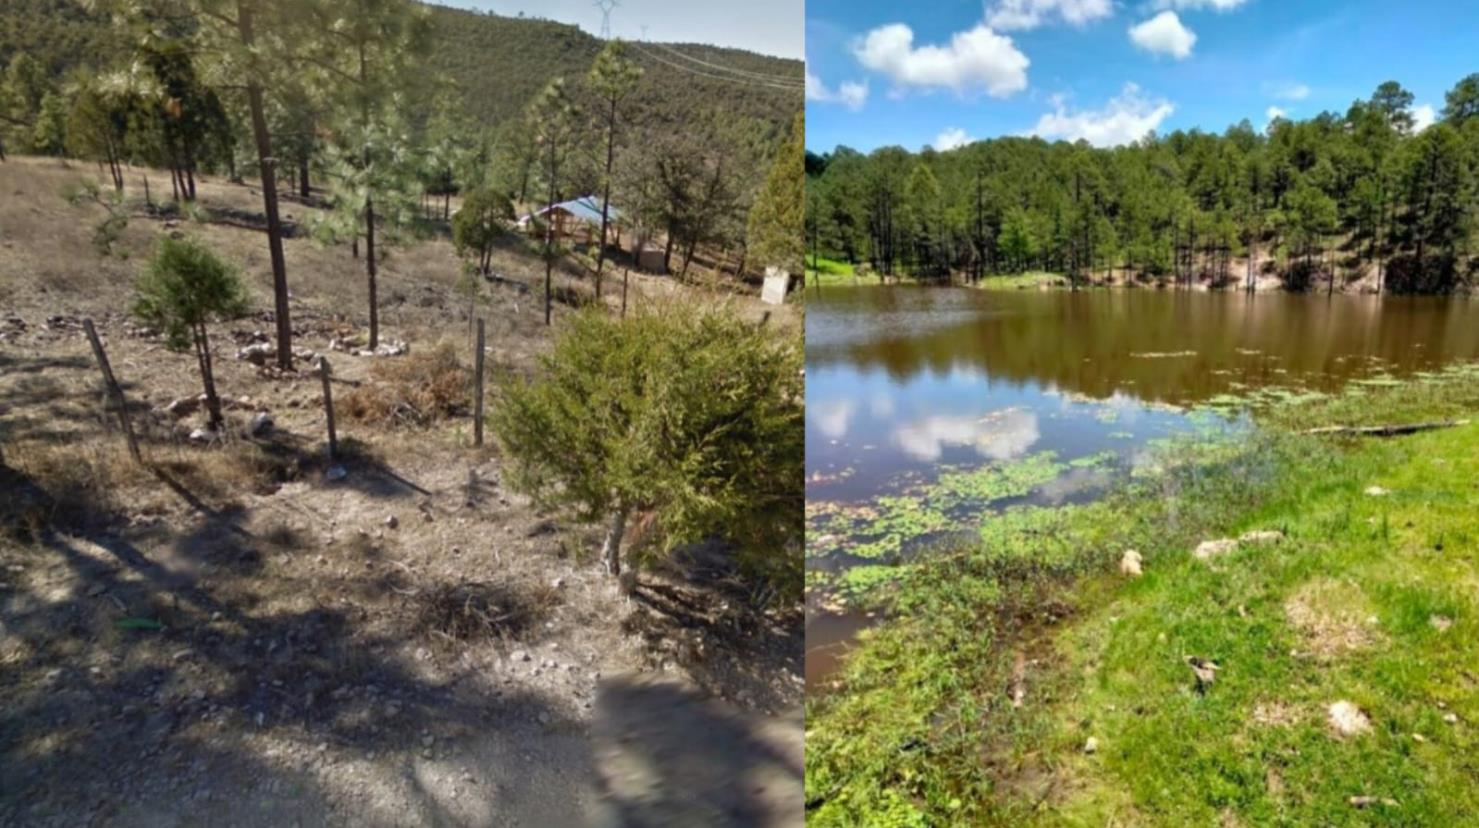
x=606 y=7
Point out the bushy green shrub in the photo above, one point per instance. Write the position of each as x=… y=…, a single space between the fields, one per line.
x=688 y=413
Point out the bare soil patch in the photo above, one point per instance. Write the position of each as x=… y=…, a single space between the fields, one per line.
x=1333 y=618
x=230 y=636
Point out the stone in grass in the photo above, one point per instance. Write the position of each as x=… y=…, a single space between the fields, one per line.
x=1130 y=564
x=204 y=435
x=1441 y=623
x=1377 y=491
x=336 y=473
x=1207 y=550
x=261 y=424
x=1349 y=720
x=1368 y=801
x=1091 y=745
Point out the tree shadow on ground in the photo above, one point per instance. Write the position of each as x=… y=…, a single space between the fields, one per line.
x=699 y=600
x=144 y=694
x=671 y=757
x=34 y=386
x=143 y=689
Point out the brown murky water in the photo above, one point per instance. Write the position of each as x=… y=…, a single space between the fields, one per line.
x=905 y=382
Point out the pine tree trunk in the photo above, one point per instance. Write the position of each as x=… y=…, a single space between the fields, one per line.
x=304 y=190
x=687 y=258
x=207 y=375
x=267 y=166
x=549 y=239
x=606 y=194
x=370 y=268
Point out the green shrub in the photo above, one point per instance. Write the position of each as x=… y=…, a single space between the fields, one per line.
x=691 y=414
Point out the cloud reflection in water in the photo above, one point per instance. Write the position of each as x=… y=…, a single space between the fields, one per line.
x=1000 y=435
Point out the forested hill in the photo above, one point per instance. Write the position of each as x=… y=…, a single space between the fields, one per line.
x=499 y=63
x=1363 y=198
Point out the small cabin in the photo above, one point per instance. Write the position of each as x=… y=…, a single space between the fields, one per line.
x=578 y=218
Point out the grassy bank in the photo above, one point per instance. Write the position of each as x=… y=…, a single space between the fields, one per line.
x=829 y=271
x=976 y=704
x=1023 y=281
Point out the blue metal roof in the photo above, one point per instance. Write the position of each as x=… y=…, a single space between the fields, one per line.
x=585 y=208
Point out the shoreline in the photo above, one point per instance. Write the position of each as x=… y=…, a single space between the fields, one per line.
x=984 y=660
x=1050 y=282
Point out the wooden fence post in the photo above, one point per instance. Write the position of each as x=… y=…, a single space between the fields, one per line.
x=111 y=386
x=323 y=370
x=477 y=403
x=625 y=274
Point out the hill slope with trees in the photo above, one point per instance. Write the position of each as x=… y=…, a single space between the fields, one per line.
x=1360 y=199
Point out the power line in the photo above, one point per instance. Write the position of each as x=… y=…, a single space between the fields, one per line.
x=743 y=72
x=729 y=78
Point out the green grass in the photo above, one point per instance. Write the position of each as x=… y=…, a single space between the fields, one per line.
x=832 y=272
x=920 y=728
x=1023 y=281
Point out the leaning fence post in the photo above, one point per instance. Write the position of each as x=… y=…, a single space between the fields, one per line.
x=323 y=370
x=477 y=403
x=625 y=274
x=111 y=386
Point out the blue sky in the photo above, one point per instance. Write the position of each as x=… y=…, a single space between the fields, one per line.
x=940 y=73
x=770 y=27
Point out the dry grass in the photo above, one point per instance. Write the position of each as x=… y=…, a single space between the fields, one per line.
x=453 y=613
x=87 y=484
x=1276 y=714
x=416 y=390
x=1332 y=617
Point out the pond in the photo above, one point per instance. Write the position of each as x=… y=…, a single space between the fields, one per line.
x=929 y=410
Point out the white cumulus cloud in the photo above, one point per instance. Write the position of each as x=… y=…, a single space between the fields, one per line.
x=1009 y=15
x=1275 y=112
x=974 y=60
x=1288 y=91
x=1194 y=5
x=850 y=94
x=1422 y=117
x=951 y=138
x=1124 y=118
x=1164 y=35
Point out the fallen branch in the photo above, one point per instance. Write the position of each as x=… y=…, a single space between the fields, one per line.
x=1386 y=430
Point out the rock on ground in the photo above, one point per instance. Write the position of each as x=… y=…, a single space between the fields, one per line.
x=1130 y=564
x=1349 y=720
x=1207 y=550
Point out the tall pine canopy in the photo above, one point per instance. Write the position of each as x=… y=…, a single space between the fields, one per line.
x=775 y=227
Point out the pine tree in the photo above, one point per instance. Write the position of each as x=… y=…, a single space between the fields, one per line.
x=183 y=290
x=775 y=230
x=612 y=77
x=554 y=118
x=362 y=51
